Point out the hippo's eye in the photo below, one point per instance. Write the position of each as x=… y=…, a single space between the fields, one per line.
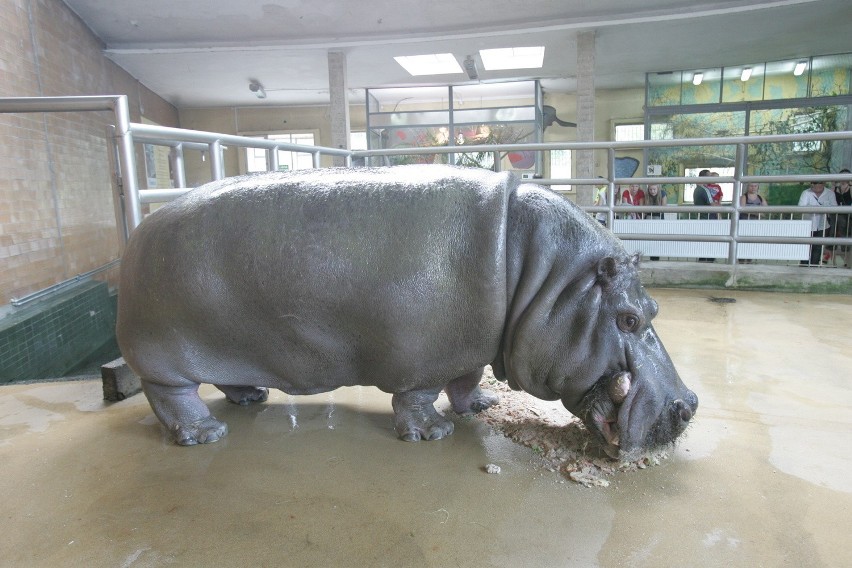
x=629 y=322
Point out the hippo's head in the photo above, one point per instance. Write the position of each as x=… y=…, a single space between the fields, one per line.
x=587 y=339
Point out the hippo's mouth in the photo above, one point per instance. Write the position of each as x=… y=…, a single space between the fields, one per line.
x=618 y=412
x=606 y=410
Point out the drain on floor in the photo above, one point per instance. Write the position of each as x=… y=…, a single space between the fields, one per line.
x=722 y=300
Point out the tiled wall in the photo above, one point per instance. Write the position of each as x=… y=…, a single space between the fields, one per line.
x=53 y=336
x=56 y=211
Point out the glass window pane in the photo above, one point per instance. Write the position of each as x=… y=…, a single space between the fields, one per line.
x=831 y=75
x=560 y=167
x=664 y=88
x=820 y=156
x=707 y=92
x=735 y=90
x=629 y=132
x=485 y=95
x=781 y=83
x=410 y=118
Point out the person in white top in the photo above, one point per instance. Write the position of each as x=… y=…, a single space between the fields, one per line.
x=816 y=196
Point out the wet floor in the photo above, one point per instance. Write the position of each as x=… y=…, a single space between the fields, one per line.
x=761 y=478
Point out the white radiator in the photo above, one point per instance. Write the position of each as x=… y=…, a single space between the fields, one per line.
x=747 y=228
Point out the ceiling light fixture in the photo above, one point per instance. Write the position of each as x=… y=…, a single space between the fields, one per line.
x=746 y=74
x=470 y=68
x=433 y=64
x=800 y=68
x=512 y=58
x=697 y=78
x=256 y=88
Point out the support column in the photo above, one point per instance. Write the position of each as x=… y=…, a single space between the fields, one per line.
x=585 y=113
x=338 y=88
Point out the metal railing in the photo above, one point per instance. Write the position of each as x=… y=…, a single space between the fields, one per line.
x=739 y=179
x=126 y=134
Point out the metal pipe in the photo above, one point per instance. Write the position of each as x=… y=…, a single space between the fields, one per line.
x=272 y=159
x=127 y=160
x=217 y=168
x=161 y=195
x=149 y=132
x=180 y=166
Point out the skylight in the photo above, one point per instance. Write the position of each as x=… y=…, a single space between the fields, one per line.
x=434 y=64
x=512 y=58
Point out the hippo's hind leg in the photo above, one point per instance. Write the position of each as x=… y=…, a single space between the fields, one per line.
x=183 y=412
x=244 y=395
x=415 y=417
x=466 y=396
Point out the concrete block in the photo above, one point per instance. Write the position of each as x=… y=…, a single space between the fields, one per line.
x=119 y=380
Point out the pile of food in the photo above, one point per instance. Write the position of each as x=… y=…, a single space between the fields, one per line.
x=558 y=437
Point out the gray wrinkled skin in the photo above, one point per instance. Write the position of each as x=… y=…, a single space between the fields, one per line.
x=410 y=279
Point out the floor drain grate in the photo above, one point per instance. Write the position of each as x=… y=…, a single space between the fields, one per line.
x=722 y=300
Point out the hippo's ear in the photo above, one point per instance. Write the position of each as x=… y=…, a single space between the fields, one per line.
x=635 y=259
x=607 y=269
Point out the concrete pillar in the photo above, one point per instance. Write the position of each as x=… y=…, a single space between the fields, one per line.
x=338 y=88
x=585 y=159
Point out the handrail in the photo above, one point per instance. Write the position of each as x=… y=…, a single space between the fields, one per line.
x=19 y=302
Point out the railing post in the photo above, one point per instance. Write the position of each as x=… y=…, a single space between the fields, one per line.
x=217 y=170
x=117 y=191
x=316 y=159
x=272 y=159
x=739 y=166
x=180 y=168
x=610 y=190
x=127 y=163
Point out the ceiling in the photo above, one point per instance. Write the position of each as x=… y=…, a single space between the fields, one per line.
x=204 y=53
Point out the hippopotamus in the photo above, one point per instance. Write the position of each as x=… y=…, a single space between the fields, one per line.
x=411 y=279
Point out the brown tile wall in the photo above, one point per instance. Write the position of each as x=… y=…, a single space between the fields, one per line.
x=56 y=212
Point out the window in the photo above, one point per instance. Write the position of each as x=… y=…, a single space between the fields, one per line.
x=358 y=140
x=560 y=167
x=629 y=132
x=287 y=160
x=806 y=123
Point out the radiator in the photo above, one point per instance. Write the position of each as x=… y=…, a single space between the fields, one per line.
x=747 y=228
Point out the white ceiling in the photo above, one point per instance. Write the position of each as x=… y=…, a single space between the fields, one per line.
x=202 y=53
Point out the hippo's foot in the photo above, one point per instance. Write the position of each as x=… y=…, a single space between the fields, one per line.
x=244 y=395
x=183 y=413
x=415 y=417
x=205 y=431
x=466 y=396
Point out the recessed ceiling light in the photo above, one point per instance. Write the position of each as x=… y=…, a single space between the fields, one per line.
x=433 y=64
x=697 y=78
x=512 y=58
x=800 y=68
x=746 y=74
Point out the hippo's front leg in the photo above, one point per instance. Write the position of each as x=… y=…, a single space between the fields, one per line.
x=466 y=396
x=415 y=417
x=183 y=413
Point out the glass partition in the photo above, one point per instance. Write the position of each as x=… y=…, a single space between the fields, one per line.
x=488 y=113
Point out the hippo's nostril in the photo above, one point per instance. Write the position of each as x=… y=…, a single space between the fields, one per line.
x=683 y=411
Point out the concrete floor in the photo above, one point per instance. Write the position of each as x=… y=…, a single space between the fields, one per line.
x=762 y=478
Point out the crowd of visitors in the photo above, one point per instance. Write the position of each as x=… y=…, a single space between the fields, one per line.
x=708 y=193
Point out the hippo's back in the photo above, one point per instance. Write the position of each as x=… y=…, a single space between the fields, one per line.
x=310 y=280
